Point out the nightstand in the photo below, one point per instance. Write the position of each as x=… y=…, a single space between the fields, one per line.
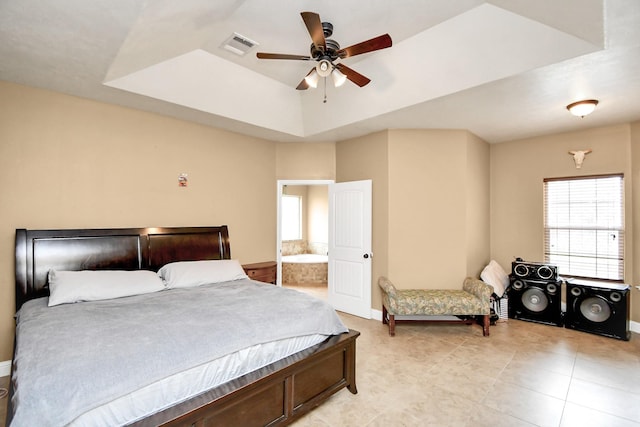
x=262 y=271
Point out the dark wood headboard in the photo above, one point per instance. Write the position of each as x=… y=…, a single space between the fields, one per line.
x=38 y=251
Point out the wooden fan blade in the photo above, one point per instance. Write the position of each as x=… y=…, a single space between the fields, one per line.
x=352 y=75
x=303 y=84
x=263 y=55
x=314 y=26
x=376 y=43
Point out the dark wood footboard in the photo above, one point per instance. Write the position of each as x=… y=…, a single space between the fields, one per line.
x=277 y=394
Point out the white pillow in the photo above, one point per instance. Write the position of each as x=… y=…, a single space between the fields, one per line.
x=185 y=274
x=94 y=285
x=494 y=275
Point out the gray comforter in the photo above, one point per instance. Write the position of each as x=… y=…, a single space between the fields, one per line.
x=74 y=357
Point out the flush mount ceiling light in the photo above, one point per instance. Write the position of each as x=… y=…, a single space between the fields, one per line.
x=582 y=108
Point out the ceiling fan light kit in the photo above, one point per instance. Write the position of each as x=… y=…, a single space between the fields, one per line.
x=338 y=78
x=312 y=78
x=582 y=108
x=326 y=51
x=324 y=68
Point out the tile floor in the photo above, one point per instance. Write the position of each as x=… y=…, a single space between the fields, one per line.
x=524 y=374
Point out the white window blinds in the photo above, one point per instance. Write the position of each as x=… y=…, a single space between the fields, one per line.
x=584 y=226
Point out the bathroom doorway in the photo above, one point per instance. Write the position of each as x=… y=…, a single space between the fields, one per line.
x=302 y=235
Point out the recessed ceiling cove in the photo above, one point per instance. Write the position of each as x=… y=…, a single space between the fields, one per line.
x=172 y=54
x=501 y=69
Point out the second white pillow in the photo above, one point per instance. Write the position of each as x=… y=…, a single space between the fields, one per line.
x=185 y=274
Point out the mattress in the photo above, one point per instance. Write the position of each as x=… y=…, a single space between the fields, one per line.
x=184 y=385
x=115 y=361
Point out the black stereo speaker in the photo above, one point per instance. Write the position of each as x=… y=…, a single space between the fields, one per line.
x=598 y=309
x=534 y=270
x=535 y=300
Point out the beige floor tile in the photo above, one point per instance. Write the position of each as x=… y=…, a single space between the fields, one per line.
x=580 y=416
x=601 y=398
x=485 y=416
x=438 y=407
x=525 y=404
x=470 y=384
x=539 y=380
x=623 y=376
x=394 y=418
x=535 y=359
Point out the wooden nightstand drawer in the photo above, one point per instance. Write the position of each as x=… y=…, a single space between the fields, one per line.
x=262 y=271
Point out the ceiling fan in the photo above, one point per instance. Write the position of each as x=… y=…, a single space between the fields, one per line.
x=326 y=51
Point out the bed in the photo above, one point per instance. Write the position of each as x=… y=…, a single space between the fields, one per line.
x=305 y=371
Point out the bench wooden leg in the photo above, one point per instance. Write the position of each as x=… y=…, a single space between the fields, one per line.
x=389 y=319
x=486 y=320
x=392 y=325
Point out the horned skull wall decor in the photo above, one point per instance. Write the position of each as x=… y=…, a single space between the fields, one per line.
x=578 y=156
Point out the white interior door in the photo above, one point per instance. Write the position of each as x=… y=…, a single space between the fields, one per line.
x=350 y=247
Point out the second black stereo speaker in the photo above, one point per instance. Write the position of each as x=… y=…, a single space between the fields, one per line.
x=536 y=300
x=601 y=310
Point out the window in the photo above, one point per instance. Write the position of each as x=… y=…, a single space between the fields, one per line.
x=584 y=226
x=291 y=217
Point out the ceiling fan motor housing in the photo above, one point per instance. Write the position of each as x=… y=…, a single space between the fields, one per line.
x=330 y=52
x=327 y=29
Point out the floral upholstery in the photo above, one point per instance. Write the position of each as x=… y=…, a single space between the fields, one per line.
x=473 y=299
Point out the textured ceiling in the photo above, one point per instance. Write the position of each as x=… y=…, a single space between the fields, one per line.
x=503 y=69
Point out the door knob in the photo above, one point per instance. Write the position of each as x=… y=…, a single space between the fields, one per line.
x=366 y=256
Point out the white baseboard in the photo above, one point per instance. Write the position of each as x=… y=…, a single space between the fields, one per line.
x=5 y=368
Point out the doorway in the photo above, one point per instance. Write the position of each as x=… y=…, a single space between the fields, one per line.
x=302 y=242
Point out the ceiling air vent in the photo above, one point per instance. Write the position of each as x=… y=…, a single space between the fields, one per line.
x=238 y=44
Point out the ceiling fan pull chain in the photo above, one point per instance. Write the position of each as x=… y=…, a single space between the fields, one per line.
x=325 y=91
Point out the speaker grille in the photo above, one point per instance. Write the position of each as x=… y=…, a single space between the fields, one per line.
x=595 y=309
x=535 y=300
x=534 y=271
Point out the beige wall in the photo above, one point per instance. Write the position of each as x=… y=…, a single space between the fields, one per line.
x=438 y=223
x=477 y=207
x=303 y=161
x=635 y=192
x=66 y=162
x=318 y=214
x=517 y=172
x=426 y=199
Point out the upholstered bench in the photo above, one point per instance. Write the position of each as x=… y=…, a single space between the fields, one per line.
x=472 y=300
